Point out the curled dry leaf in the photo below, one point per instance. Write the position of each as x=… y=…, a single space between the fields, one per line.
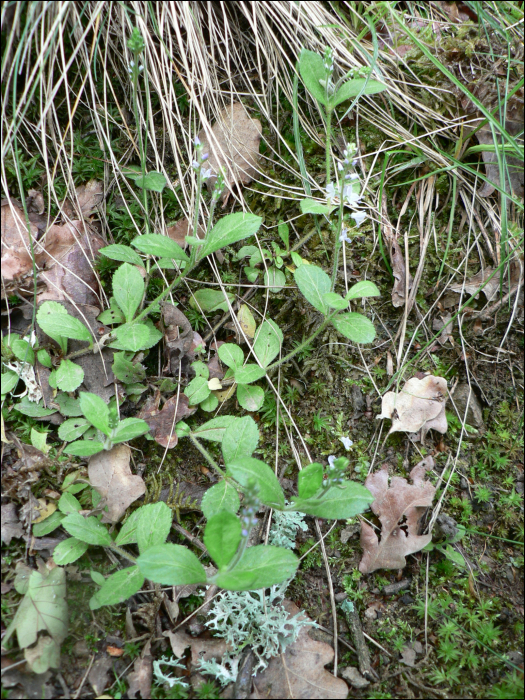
x=86 y=200
x=11 y=525
x=178 y=339
x=444 y=324
x=162 y=423
x=300 y=671
x=201 y=649
x=67 y=254
x=420 y=405
x=182 y=228
x=514 y=126
x=233 y=145
x=110 y=474
x=16 y=251
x=399 y=270
x=140 y=678
x=399 y=507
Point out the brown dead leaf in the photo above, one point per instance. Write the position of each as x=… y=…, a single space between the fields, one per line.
x=86 y=200
x=110 y=474
x=11 y=525
x=408 y=656
x=233 y=145
x=98 y=676
x=67 y=253
x=140 y=678
x=201 y=649
x=444 y=324
x=35 y=202
x=181 y=229
x=490 y=159
x=300 y=671
x=16 y=251
x=162 y=423
x=420 y=405
x=399 y=508
x=178 y=339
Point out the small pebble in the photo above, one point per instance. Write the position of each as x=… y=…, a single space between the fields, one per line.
x=339 y=597
x=394 y=588
x=352 y=675
x=371 y=613
x=406 y=599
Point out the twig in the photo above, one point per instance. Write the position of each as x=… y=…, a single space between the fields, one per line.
x=190 y=537
x=77 y=694
x=354 y=624
x=331 y=589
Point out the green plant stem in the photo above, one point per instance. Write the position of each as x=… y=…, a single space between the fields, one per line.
x=304 y=344
x=122 y=552
x=337 y=242
x=204 y=452
x=139 y=132
x=328 y=144
x=193 y=254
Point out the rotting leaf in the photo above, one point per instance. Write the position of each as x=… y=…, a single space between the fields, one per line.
x=178 y=340
x=11 y=525
x=420 y=405
x=399 y=270
x=490 y=290
x=201 y=649
x=300 y=671
x=86 y=200
x=16 y=251
x=233 y=145
x=399 y=507
x=110 y=474
x=140 y=678
x=162 y=423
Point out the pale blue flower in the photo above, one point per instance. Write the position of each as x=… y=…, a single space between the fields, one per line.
x=346 y=442
x=206 y=173
x=196 y=141
x=196 y=165
x=350 y=196
x=359 y=217
x=141 y=68
x=344 y=236
x=331 y=460
x=352 y=176
x=330 y=191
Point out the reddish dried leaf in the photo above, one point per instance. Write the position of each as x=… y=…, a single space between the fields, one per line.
x=162 y=423
x=140 y=678
x=399 y=507
x=86 y=200
x=110 y=474
x=16 y=251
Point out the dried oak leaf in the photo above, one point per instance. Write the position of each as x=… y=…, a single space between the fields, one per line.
x=399 y=270
x=67 y=254
x=514 y=126
x=140 y=678
x=110 y=474
x=16 y=251
x=420 y=405
x=11 y=525
x=472 y=286
x=86 y=200
x=162 y=423
x=399 y=508
x=233 y=145
x=300 y=671
x=178 y=339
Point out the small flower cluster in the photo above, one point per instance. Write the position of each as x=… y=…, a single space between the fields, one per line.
x=131 y=67
x=328 y=60
x=350 y=197
x=200 y=158
x=335 y=471
x=250 y=507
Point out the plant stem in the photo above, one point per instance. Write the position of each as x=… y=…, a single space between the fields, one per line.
x=337 y=242
x=141 y=143
x=328 y=140
x=122 y=552
x=193 y=253
x=204 y=452
x=302 y=345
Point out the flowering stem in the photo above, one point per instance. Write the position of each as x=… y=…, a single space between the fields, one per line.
x=196 y=215
x=204 y=452
x=328 y=143
x=337 y=243
x=139 y=132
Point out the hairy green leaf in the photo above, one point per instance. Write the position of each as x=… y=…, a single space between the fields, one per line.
x=222 y=537
x=123 y=253
x=68 y=551
x=240 y=439
x=171 y=565
x=260 y=567
x=228 y=230
x=314 y=283
x=118 y=587
x=153 y=525
x=160 y=246
x=355 y=327
x=221 y=496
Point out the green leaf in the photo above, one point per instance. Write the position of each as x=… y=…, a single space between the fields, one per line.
x=123 y=253
x=97 y=578
x=221 y=496
x=9 y=381
x=251 y=273
x=96 y=411
x=200 y=369
x=363 y=289
x=118 y=587
x=249 y=374
x=284 y=233
x=39 y=440
x=128 y=289
x=68 y=503
x=160 y=246
x=69 y=376
x=210 y=300
x=250 y=397
x=339 y=502
x=246 y=469
x=228 y=230
x=153 y=525
x=68 y=551
x=110 y=316
x=354 y=87
x=310 y=480
x=68 y=405
x=452 y=555
x=355 y=327
x=84 y=448
x=240 y=439
x=128 y=532
x=171 y=565
x=44 y=358
x=133 y=336
x=153 y=181
x=48 y=525
x=126 y=371
x=43 y=608
x=88 y=530
x=35 y=410
x=312 y=70
x=314 y=283
x=23 y=351
x=335 y=301
x=49 y=308
x=267 y=342
x=209 y=404
x=128 y=429
x=197 y=390
x=311 y=206
x=260 y=567
x=222 y=537
x=63 y=325
x=231 y=355
x=246 y=251
x=274 y=279
x=214 y=429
